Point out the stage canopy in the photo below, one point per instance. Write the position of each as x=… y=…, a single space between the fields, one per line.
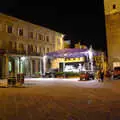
x=72 y=53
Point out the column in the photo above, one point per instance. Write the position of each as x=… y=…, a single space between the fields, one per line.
x=40 y=66
x=44 y=64
x=27 y=66
x=36 y=66
x=31 y=67
x=5 y=63
x=16 y=66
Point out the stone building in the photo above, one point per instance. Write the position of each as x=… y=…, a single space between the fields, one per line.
x=112 y=22
x=23 y=45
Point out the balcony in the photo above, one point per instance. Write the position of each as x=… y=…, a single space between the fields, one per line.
x=34 y=54
x=16 y=52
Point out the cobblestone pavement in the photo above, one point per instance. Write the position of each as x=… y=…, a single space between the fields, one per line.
x=61 y=100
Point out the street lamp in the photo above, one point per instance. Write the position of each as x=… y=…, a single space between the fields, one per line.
x=23 y=58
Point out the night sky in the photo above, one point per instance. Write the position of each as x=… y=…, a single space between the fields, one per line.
x=84 y=23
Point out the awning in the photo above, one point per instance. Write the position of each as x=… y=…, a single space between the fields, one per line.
x=71 y=53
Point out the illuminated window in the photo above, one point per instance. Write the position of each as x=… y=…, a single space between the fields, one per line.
x=114 y=6
x=20 y=32
x=9 y=29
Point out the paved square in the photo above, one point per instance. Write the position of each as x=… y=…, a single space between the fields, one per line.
x=48 y=99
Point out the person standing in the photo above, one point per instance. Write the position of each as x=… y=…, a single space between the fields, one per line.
x=98 y=75
x=102 y=75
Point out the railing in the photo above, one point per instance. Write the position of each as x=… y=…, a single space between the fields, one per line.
x=34 y=54
x=16 y=52
x=23 y=53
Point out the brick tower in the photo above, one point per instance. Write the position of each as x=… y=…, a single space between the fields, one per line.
x=112 y=22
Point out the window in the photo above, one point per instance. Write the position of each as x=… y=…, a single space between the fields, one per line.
x=15 y=45
x=40 y=49
x=31 y=35
x=114 y=6
x=47 y=50
x=20 y=32
x=36 y=49
x=43 y=51
x=21 y=47
x=47 y=38
x=40 y=37
x=10 y=45
x=9 y=29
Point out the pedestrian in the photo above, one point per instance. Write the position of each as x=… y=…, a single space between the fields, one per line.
x=98 y=75
x=112 y=75
x=102 y=75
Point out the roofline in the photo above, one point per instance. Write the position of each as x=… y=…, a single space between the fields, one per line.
x=15 y=18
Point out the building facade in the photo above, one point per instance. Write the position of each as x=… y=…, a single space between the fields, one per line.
x=23 y=45
x=112 y=22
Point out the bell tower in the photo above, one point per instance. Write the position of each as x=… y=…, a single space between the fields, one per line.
x=112 y=24
x=111 y=6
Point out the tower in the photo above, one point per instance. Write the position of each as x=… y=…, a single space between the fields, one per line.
x=112 y=24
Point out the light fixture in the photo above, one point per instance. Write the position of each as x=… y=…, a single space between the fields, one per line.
x=23 y=58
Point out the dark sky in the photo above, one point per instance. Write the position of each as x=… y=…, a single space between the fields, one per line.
x=84 y=23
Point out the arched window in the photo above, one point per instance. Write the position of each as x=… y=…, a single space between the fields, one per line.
x=31 y=49
x=28 y=48
x=21 y=47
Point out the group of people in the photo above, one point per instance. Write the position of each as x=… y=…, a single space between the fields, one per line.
x=100 y=75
